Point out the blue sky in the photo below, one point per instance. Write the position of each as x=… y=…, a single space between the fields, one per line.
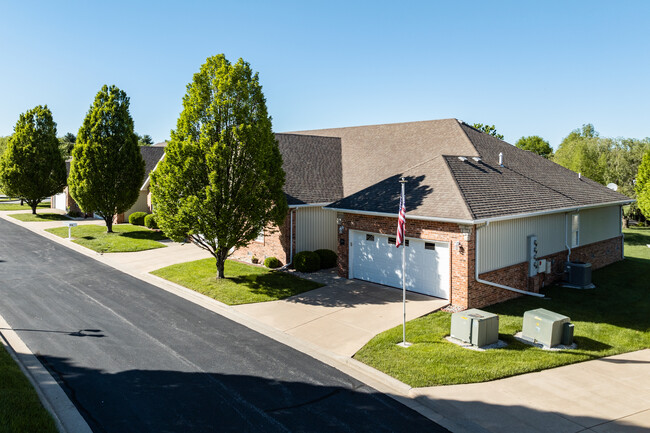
x=530 y=68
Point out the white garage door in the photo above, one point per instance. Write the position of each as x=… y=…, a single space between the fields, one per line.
x=59 y=201
x=375 y=258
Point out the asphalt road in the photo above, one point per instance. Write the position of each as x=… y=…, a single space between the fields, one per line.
x=135 y=358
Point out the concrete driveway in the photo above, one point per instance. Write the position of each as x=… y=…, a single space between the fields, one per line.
x=343 y=315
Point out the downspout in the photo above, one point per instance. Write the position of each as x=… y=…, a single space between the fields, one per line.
x=490 y=283
x=566 y=238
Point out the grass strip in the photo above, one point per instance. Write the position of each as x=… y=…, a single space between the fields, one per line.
x=20 y=408
x=126 y=237
x=244 y=284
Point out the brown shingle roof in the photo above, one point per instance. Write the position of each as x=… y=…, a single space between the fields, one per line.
x=312 y=166
x=526 y=183
x=442 y=186
x=151 y=155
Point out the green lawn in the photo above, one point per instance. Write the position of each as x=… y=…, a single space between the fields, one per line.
x=244 y=284
x=613 y=318
x=45 y=216
x=20 y=408
x=126 y=237
x=17 y=206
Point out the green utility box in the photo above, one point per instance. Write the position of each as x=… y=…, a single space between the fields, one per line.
x=546 y=327
x=477 y=327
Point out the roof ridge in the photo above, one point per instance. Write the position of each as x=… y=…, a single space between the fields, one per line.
x=469 y=140
x=307 y=135
x=370 y=125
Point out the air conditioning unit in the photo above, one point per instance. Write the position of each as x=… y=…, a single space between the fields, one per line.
x=477 y=327
x=578 y=275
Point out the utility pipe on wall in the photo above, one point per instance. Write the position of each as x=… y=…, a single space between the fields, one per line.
x=566 y=237
x=291 y=211
x=490 y=283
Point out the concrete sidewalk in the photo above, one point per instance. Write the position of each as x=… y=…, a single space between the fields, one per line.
x=605 y=395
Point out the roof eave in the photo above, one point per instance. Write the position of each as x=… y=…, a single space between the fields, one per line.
x=484 y=220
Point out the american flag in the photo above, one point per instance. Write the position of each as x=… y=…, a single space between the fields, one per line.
x=401 y=220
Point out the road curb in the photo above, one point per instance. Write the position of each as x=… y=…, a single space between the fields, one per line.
x=66 y=416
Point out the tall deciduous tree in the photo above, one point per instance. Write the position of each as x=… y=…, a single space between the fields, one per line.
x=221 y=180
x=107 y=169
x=32 y=167
x=584 y=152
x=535 y=144
x=488 y=129
x=642 y=185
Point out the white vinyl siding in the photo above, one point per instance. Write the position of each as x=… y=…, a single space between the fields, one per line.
x=503 y=243
x=139 y=206
x=599 y=224
x=315 y=229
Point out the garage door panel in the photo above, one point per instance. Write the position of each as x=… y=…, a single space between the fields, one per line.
x=375 y=259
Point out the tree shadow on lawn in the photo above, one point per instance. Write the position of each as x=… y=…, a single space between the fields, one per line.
x=637 y=239
x=275 y=284
x=144 y=235
x=621 y=298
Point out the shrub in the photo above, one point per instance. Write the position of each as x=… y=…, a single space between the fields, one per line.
x=306 y=261
x=137 y=218
x=74 y=214
x=272 y=262
x=150 y=221
x=328 y=258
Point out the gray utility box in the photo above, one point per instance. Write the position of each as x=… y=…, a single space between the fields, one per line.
x=546 y=327
x=578 y=274
x=477 y=327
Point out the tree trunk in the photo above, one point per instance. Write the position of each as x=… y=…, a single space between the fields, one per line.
x=34 y=208
x=626 y=223
x=221 y=256
x=109 y=224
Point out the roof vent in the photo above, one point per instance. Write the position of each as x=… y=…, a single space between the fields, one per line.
x=579 y=175
x=476 y=158
x=501 y=159
x=462 y=158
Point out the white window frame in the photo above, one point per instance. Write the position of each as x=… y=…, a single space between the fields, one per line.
x=260 y=237
x=575 y=230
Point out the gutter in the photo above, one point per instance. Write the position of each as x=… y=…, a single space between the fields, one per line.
x=490 y=283
x=484 y=220
x=297 y=206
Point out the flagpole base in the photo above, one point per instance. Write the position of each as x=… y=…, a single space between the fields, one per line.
x=405 y=344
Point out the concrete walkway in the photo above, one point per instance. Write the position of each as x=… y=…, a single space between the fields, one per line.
x=343 y=315
x=605 y=395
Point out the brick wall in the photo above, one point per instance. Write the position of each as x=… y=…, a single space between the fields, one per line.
x=275 y=244
x=599 y=254
x=466 y=292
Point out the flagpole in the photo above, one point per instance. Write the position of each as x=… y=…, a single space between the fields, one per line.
x=403 y=343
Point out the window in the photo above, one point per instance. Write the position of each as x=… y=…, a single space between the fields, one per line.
x=260 y=237
x=392 y=241
x=370 y=238
x=429 y=246
x=575 y=230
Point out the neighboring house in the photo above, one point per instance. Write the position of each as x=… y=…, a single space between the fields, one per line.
x=151 y=155
x=472 y=201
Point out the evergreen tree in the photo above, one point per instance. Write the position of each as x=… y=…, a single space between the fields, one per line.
x=107 y=169
x=221 y=180
x=32 y=167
